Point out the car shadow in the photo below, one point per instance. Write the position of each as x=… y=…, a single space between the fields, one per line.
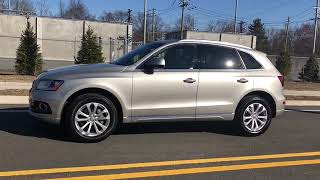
x=17 y=121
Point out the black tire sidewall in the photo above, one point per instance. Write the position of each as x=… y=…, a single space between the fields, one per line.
x=84 y=99
x=245 y=103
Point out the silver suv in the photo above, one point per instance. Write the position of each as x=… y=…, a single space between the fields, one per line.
x=162 y=81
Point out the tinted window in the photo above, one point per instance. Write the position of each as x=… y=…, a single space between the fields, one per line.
x=178 y=57
x=249 y=61
x=216 y=57
x=137 y=54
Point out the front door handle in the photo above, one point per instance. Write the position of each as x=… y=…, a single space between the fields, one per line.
x=189 y=80
x=242 y=80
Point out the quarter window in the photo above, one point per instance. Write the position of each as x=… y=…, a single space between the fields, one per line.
x=249 y=61
x=217 y=57
x=178 y=57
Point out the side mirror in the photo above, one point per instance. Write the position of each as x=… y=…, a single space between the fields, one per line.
x=155 y=63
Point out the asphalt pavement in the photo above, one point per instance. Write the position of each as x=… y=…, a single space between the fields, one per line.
x=290 y=149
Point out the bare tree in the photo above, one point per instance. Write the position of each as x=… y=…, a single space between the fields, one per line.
x=138 y=27
x=22 y=5
x=302 y=42
x=220 y=26
x=3 y=4
x=61 y=9
x=43 y=8
x=188 y=24
x=76 y=9
x=211 y=26
x=115 y=16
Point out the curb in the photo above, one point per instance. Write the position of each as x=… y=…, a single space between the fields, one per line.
x=302 y=103
x=15 y=85
x=9 y=100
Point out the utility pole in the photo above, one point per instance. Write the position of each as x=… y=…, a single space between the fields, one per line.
x=315 y=27
x=128 y=22
x=153 y=22
x=183 y=5
x=145 y=22
x=235 y=16
x=287 y=35
x=127 y=39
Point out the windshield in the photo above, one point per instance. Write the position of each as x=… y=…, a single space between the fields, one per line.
x=137 y=54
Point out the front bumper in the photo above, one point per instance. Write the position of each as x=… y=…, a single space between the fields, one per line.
x=52 y=99
x=45 y=117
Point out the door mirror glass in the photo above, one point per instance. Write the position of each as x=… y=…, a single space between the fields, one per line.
x=155 y=63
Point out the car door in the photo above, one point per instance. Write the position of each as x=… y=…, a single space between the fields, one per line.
x=223 y=81
x=169 y=92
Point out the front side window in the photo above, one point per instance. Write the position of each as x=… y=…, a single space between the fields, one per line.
x=137 y=54
x=178 y=57
x=249 y=61
x=217 y=57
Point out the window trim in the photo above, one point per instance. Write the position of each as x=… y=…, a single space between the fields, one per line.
x=227 y=47
x=140 y=66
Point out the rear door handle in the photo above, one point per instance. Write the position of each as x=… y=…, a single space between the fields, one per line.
x=242 y=80
x=189 y=80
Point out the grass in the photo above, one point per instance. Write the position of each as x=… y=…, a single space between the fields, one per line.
x=14 y=92
x=301 y=86
x=16 y=78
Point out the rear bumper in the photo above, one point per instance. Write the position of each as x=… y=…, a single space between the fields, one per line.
x=280 y=106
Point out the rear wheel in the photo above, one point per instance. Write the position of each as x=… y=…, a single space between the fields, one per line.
x=91 y=117
x=253 y=116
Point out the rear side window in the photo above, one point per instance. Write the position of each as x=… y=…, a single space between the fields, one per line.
x=249 y=61
x=217 y=57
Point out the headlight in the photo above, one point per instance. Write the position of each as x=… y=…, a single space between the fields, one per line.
x=49 y=85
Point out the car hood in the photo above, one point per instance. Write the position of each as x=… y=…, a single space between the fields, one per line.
x=82 y=70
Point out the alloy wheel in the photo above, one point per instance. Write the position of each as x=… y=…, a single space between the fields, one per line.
x=92 y=119
x=255 y=117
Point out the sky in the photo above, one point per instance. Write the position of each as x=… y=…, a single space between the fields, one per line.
x=272 y=12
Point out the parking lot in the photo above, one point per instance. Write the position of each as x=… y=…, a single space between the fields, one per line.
x=186 y=150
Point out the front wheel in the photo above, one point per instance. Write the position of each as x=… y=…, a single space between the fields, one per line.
x=91 y=118
x=253 y=116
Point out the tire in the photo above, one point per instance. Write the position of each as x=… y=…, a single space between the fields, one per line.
x=91 y=127
x=249 y=123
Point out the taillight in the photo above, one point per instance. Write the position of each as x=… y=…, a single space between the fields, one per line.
x=281 y=79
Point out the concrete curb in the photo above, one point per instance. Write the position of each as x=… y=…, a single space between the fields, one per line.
x=301 y=93
x=14 y=85
x=302 y=103
x=8 y=100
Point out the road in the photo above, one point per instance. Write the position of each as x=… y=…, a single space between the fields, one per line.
x=216 y=152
